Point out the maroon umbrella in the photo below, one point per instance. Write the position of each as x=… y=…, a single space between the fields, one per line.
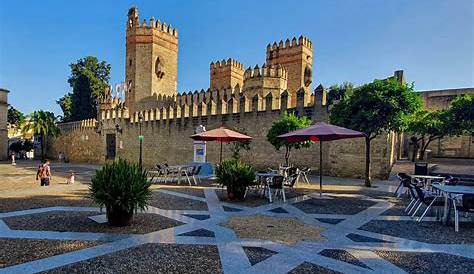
x=222 y=135
x=320 y=132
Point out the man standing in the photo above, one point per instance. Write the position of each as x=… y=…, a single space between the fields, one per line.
x=44 y=173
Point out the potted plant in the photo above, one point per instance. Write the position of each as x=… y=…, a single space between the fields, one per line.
x=122 y=188
x=236 y=176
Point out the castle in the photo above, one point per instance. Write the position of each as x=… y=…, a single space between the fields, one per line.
x=248 y=99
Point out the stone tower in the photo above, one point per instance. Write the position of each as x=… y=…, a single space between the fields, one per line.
x=151 y=65
x=3 y=124
x=296 y=56
x=225 y=74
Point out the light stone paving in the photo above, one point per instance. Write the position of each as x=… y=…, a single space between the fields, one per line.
x=230 y=247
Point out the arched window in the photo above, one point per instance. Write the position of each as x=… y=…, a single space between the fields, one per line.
x=308 y=76
x=158 y=68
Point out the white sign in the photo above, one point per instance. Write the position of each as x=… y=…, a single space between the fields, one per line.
x=199 y=147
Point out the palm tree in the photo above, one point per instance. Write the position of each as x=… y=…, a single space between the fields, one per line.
x=42 y=123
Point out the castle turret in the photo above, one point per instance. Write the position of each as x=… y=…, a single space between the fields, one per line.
x=151 y=60
x=296 y=56
x=261 y=81
x=226 y=73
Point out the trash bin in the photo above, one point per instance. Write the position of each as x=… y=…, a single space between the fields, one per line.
x=421 y=168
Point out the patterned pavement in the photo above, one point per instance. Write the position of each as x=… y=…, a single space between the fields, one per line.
x=346 y=249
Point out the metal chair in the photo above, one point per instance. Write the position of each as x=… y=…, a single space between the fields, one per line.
x=303 y=172
x=466 y=206
x=276 y=183
x=404 y=179
x=428 y=199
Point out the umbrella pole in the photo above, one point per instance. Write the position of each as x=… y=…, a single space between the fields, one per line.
x=220 y=157
x=320 y=168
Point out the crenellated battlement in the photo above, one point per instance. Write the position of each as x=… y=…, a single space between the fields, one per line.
x=203 y=104
x=77 y=125
x=226 y=63
x=265 y=71
x=134 y=24
x=290 y=44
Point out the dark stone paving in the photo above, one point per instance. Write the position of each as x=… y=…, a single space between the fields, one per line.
x=309 y=268
x=231 y=209
x=166 y=201
x=429 y=232
x=329 y=220
x=278 y=210
x=338 y=205
x=79 y=222
x=200 y=217
x=342 y=255
x=257 y=254
x=152 y=258
x=364 y=239
x=433 y=263
x=17 y=251
x=199 y=233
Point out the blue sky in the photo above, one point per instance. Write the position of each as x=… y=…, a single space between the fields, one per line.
x=355 y=41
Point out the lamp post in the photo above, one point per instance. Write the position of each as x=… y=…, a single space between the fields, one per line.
x=140 y=138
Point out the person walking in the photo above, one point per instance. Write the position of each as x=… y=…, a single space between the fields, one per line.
x=13 y=159
x=44 y=174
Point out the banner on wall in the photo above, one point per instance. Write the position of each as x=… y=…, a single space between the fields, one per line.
x=199 y=147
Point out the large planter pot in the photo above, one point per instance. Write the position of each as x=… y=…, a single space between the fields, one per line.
x=118 y=217
x=236 y=193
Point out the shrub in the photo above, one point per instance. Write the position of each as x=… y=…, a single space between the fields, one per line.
x=120 y=187
x=236 y=176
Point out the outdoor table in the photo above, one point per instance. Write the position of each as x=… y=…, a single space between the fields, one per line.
x=179 y=169
x=449 y=190
x=425 y=178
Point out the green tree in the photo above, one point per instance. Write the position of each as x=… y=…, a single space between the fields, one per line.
x=43 y=124
x=65 y=103
x=337 y=92
x=15 y=117
x=373 y=108
x=89 y=81
x=461 y=112
x=287 y=123
x=236 y=147
x=427 y=126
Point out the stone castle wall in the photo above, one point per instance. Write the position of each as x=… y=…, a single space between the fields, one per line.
x=3 y=124
x=79 y=141
x=166 y=134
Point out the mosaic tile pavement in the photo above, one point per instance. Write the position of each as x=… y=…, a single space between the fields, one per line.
x=346 y=249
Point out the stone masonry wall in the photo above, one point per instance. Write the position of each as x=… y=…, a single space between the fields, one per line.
x=80 y=143
x=3 y=124
x=168 y=141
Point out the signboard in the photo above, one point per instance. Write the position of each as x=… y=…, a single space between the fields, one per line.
x=141 y=137
x=199 y=147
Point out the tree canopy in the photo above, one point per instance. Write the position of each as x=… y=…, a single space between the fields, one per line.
x=15 y=117
x=427 y=126
x=42 y=123
x=89 y=81
x=462 y=113
x=376 y=107
x=287 y=123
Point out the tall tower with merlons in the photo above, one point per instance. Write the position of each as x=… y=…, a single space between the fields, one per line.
x=151 y=65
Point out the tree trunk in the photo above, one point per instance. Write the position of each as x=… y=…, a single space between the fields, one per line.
x=423 y=149
x=287 y=156
x=42 y=146
x=367 y=162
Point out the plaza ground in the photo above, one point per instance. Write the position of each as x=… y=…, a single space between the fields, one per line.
x=349 y=229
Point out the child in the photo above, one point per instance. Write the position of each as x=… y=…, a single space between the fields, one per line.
x=71 y=178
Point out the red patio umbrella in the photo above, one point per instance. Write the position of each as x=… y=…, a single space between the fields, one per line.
x=321 y=132
x=222 y=135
